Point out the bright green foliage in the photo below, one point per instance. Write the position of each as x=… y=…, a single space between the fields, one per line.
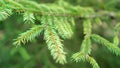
x=79 y=56
x=57 y=21
x=63 y=27
x=5 y=13
x=29 y=35
x=54 y=45
x=116 y=40
x=87 y=25
x=109 y=45
x=28 y=17
x=116 y=33
x=92 y=62
x=83 y=54
x=53 y=41
x=86 y=46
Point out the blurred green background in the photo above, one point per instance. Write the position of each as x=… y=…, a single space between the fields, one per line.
x=36 y=54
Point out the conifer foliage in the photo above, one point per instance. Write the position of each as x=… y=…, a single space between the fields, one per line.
x=57 y=21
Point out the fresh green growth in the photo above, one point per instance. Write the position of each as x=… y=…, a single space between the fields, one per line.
x=57 y=21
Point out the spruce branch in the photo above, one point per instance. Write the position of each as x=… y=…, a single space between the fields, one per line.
x=45 y=9
x=83 y=54
x=92 y=61
x=54 y=45
x=111 y=47
x=86 y=46
x=87 y=27
x=31 y=4
x=13 y=4
x=48 y=9
x=86 y=43
x=55 y=21
x=28 y=35
x=53 y=41
x=79 y=56
x=63 y=27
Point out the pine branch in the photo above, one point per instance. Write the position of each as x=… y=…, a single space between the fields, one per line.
x=48 y=9
x=63 y=27
x=83 y=54
x=79 y=56
x=13 y=4
x=31 y=4
x=86 y=46
x=53 y=41
x=54 y=20
x=87 y=27
x=86 y=43
x=114 y=49
x=92 y=62
x=54 y=45
x=28 y=35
